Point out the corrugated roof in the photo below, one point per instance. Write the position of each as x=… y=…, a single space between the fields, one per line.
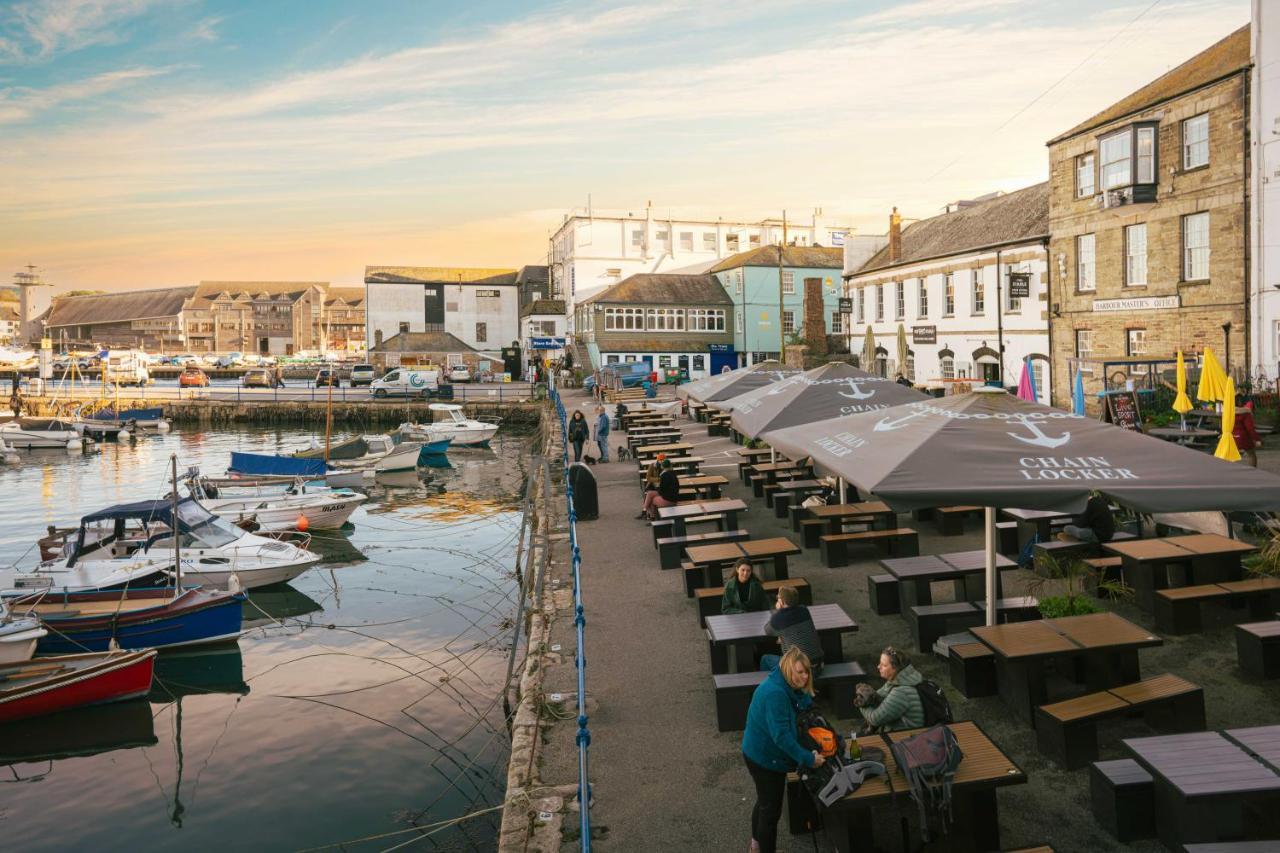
x=1019 y=215
x=793 y=256
x=422 y=342
x=118 y=307
x=207 y=291
x=543 y=306
x=1222 y=59
x=611 y=343
x=450 y=275
x=665 y=287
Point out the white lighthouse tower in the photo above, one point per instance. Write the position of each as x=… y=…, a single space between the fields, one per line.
x=34 y=299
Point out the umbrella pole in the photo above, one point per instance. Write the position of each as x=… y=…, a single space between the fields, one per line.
x=773 y=455
x=839 y=490
x=989 y=517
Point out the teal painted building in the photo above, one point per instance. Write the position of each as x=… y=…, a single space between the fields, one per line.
x=751 y=280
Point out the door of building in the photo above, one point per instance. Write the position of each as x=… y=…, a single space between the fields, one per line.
x=990 y=371
x=264 y=346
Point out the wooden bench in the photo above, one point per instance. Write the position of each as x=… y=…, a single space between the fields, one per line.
x=708 y=598
x=1177 y=611
x=930 y=621
x=1105 y=569
x=882 y=593
x=899 y=542
x=950 y=519
x=1123 y=799
x=1078 y=550
x=733 y=692
x=671 y=548
x=973 y=669
x=663 y=526
x=1258 y=648
x=1067 y=731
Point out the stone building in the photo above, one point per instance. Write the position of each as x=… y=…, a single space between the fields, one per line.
x=152 y=320
x=1147 y=221
x=344 y=318
x=263 y=317
x=968 y=287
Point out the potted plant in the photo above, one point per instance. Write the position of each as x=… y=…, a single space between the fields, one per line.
x=1075 y=584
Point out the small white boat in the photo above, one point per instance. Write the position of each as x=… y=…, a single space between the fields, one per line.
x=18 y=636
x=451 y=424
x=29 y=433
x=273 y=510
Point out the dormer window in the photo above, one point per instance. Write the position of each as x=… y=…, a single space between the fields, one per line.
x=1128 y=160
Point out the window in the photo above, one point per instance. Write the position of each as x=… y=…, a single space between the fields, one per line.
x=547 y=328
x=1195 y=247
x=861 y=294
x=922 y=292
x=624 y=319
x=706 y=320
x=1084 y=176
x=637 y=239
x=404 y=327
x=686 y=241
x=979 y=295
x=753 y=240
x=879 y=291
x=910 y=371
x=1116 y=160
x=788 y=322
x=664 y=361
x=948 y=367
x=611 y=359
x=1146 y=155
x=1037 y=373
x=699 y=362
x=1135 y=346
x=708 y=241
x=1135 y=255
x=1195 y=142
x=628 y=358
x=948 y=295
x=1085 y=278
x=663 y=237
x=1084 y=348
x=900 y=299
x=666 y=320
x=788 y=282
x=731 y=242
x=837 y=323
x=482 y=333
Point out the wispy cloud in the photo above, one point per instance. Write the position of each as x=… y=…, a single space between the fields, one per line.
x=21 y=104
x=39 y=29
x=931 y=10
x=206 y=30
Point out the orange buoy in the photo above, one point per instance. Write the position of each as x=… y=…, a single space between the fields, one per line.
x=303 y=524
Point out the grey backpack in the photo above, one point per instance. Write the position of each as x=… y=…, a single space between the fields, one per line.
x=929 y=761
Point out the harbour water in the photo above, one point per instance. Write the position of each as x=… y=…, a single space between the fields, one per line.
x=364 y=698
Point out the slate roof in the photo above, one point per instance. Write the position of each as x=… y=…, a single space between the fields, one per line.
x=1016 y=216
x=609 y=342
x=543 y=306
x=1220 y=60
x=792 y=256
x=431 y=275
x=118 y=307
x=9 y=312
x=422 y=342
x=353 y=296
x=665 y=288
x=532 y=274
x=207 y=291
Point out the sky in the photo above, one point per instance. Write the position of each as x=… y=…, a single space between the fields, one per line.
x=153 y=143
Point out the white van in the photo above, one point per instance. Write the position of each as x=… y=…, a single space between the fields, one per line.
x=126 y=367
x=406 y=382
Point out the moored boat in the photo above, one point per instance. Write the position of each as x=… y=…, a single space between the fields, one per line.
x=40 y=433
x=265 y=508
x=50 y=685
x=454 y=425
x=18 y=637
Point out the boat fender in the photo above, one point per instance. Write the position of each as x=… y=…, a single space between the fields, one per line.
x=162 y=426
x=75 y=444
x=124 y=435
x=233 y=584
x=303 y=524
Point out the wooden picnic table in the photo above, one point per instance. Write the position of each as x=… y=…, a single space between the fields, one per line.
x=714 y=559
x=729 y=508
x=1207 y=783
x=850 y=822
x=711 y=484
x=637 y=440
x=1210 y=558
x=837 y=515
x=789 y=490
x=915 y=576
x=1106 y=645
x=690 y=465
x=745 y=631
x=1034 y=522
x=1189 y=435
x=650 y=429
x=755 y=452
x=678 y=448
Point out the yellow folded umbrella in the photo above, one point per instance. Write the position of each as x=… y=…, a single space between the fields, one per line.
x=1212 y=379
x=1182 y=404
x=1227 y=444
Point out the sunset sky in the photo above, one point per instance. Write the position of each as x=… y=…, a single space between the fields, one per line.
x=149 y=143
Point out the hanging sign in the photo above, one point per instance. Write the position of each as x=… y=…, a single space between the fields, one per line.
x=1019 y=285
x=846 y=305
x=924 y=334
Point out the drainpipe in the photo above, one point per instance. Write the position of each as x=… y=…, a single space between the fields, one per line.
x=1248 y=239
x=1048 y=297
x=999 y=319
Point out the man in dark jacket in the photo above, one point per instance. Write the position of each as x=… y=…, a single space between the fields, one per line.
x=1095 y=524
x=793 y=626
x=667 y=493
x=602 y=433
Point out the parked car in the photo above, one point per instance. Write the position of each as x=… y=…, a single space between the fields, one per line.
x=362 y=374
x=193 y=377
x=406 y=382
x=459 y=373
x=231 y=359
x=327 y=376
x=258 y=378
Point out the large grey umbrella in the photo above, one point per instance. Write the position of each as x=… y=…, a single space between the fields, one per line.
x=829 y=391
x=735 y=382
x=992 y=449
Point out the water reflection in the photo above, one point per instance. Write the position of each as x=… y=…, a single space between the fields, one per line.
x=82 y=732
x=270 y=605
x=201 y=670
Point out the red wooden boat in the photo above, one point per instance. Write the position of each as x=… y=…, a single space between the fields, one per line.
x=48 y=685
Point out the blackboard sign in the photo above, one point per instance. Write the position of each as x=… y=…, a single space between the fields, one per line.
x=1019 y=285
x=846 y=305
x=924 y=334
x=1122 y=410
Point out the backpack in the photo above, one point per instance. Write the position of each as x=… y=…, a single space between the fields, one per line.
x=934 y=701
x=837 y=777
x=929 y=761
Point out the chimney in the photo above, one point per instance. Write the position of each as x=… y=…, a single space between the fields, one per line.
x=895 y=237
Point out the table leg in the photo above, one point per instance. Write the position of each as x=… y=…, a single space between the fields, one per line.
x=677 y=527
x=711 y=575
x=781 y=501
x=977 y=821
x=832 y=647
x=731 y=520
x=1021 y=686
x=914 y=592
x=714 y=491
x=719 y=658
x=1139 y=576
x=849 y=828
x=780 y=572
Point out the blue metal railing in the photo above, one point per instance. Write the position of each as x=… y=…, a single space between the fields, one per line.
x=580 y=622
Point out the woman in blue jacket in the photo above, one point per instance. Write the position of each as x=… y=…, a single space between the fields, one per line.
x=770 y=746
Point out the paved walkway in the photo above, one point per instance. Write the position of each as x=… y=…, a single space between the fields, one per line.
x=665 y=779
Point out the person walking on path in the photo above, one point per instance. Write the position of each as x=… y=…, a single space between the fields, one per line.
x=1246 y=433
x=602 y=433
x=579 y=432
x=770 y=747
x=743 y=593
x=278 y=376
x=896 y=705
x=15 y=402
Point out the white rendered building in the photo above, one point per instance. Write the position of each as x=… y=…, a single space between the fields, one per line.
x=1264 y=190
x=480 y=307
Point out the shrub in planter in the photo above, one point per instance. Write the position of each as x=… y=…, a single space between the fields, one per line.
x=1062 y=605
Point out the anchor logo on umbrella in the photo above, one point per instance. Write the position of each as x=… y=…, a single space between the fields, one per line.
x=856 y=393
x=889 y=424
x=1038 y=437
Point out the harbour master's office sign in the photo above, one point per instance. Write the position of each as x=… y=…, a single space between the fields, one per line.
x=1139 y=303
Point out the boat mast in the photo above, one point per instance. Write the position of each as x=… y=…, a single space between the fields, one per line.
x=328 y=420
x=177 y=547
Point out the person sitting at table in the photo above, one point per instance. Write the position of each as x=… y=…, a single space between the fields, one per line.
x=652 y=474
x=896 y=705
x=770 y=747
x=667 y=493
x=743 y=591
x=1245 y=433
x=792 y=624
x=1095 y=524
